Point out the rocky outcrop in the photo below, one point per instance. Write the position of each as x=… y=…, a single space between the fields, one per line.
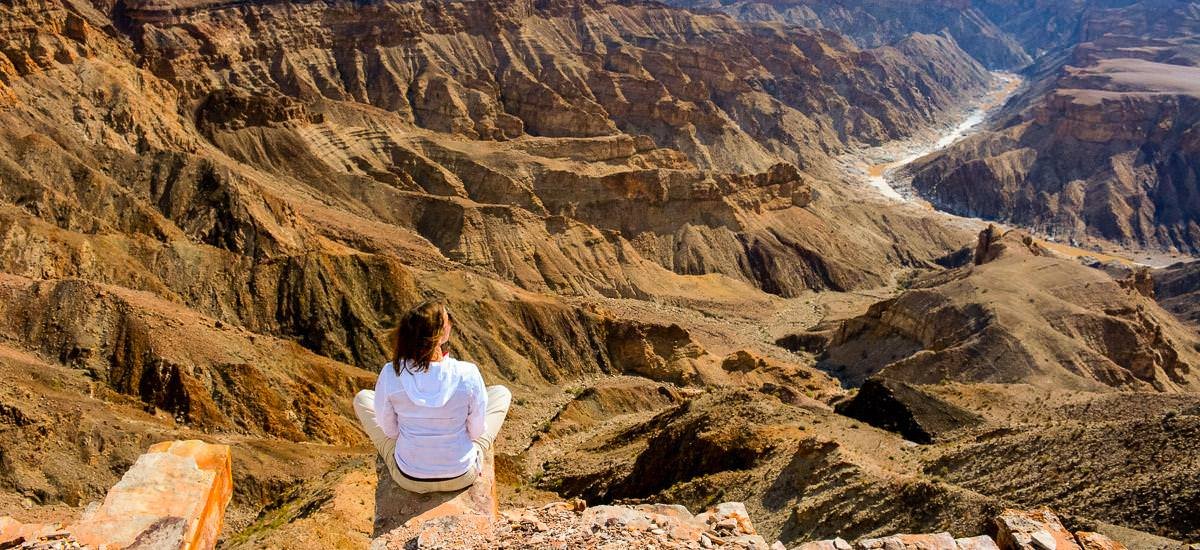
x=574 y=525
x=1020 y=530
x=401 y=515
x=174 y=497
x=905 y=409
x=1016 y=530
x=1177 y=289
x=975 y=324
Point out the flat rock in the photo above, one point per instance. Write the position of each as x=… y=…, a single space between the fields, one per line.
x=1036 y=529
x=832 y=544
x=934 y=541
x=981 y=542
x=401 y=515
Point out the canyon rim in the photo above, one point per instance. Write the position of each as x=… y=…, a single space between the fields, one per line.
x=849 y=268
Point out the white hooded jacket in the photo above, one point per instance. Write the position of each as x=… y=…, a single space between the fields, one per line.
x=434 y=417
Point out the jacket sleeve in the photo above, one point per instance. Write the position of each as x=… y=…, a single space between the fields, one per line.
x=477 y=405
x=385 y=413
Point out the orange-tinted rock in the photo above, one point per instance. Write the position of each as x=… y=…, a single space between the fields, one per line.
x=1095 y=541
x=401 y=515
x=13 y=531
x=1036 y=529
x=732 y=513
x=174 y=496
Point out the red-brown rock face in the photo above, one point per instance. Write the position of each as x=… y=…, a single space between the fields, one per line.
x=874 y=23
x=726 y=95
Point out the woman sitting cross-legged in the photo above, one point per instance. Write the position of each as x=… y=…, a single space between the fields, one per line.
x=430 y=416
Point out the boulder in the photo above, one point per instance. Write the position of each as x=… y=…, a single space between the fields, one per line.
x=1095 y=541
x=676 y=511
x=833 y=544
x=1036 y=529
x=934 y=541
x=402 y=516
x=174 y=496
x=982 y=542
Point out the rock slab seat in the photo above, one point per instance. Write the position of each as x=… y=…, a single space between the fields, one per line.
x=399 y=514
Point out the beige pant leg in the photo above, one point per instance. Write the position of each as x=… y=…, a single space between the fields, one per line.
x=499 y=399
x=364 y=408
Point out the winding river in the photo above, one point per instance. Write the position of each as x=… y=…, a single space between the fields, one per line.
x=881 y=165
x=881 y=169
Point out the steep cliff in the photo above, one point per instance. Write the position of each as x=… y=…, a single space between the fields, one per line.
x=873 y=23
x=1103 y=145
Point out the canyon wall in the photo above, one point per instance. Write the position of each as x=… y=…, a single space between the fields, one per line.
x=1102 y=146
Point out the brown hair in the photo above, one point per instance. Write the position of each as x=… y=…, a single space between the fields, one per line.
x=417 y=336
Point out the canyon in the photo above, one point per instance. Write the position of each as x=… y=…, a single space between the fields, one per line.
x=1101 y=147
x=212 y=214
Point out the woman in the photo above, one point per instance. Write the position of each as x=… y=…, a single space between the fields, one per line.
x=430 y=417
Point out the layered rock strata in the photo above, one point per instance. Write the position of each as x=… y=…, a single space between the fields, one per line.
x=875 y=23
x=1102 y=146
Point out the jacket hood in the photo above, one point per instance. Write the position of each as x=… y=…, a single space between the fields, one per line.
x=434 y=387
